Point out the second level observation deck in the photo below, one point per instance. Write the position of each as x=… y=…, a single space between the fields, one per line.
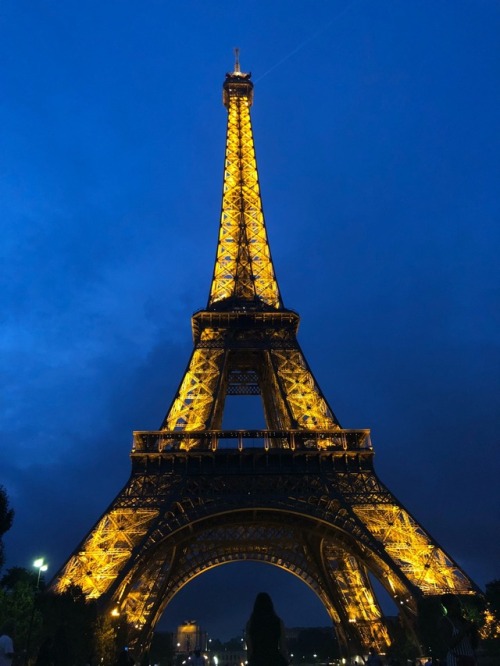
x=163 y=441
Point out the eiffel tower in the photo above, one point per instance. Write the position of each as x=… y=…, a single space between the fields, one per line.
x=302 y=494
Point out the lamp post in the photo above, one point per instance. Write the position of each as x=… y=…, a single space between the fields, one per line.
x=41 y=566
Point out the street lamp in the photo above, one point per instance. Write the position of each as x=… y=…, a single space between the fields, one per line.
x=39 y=564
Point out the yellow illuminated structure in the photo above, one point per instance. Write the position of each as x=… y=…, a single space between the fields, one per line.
x=245 y=297
x=243 y=267
x=302 y=494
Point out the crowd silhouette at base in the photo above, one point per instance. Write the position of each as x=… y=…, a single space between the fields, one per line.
x=265 y=638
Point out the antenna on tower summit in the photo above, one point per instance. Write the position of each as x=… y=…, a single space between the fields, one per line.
x=237 y=60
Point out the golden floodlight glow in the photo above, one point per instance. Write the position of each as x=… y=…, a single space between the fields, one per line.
x=243 y=267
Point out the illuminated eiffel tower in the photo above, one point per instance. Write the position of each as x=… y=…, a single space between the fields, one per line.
x=301 y=494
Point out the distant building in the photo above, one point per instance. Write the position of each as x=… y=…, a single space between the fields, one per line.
x=312 y=645
x=189 y=636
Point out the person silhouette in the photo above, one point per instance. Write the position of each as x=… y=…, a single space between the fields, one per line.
x=265 y=635
x=6 y=644
x=197 y=659
x=458 y=633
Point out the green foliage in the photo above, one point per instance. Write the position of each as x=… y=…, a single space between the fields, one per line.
x=430 y=614
x=431 y=611
x=17 y=575
x=105 y=648
x=473 y=609
x=493 y=596
x=17 y=596
x=70 y=620
x=6 y=518
x=490 y=643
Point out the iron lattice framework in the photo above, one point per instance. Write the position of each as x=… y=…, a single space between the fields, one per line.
x=301 y=494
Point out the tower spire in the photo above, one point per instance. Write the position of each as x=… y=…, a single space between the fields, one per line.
x=237 y=69
x=243 y=272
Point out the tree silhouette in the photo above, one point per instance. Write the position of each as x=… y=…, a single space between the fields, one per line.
x=6 y=518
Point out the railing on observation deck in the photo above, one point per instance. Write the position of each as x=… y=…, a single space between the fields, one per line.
x=160 y=441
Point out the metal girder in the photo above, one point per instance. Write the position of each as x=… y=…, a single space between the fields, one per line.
x=412 y=550
x=194 y=402
x=354 y=589
x=291 y=395
x=108 y=547
x=307 y=404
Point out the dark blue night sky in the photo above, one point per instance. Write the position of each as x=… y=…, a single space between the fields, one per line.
x=377 y=136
